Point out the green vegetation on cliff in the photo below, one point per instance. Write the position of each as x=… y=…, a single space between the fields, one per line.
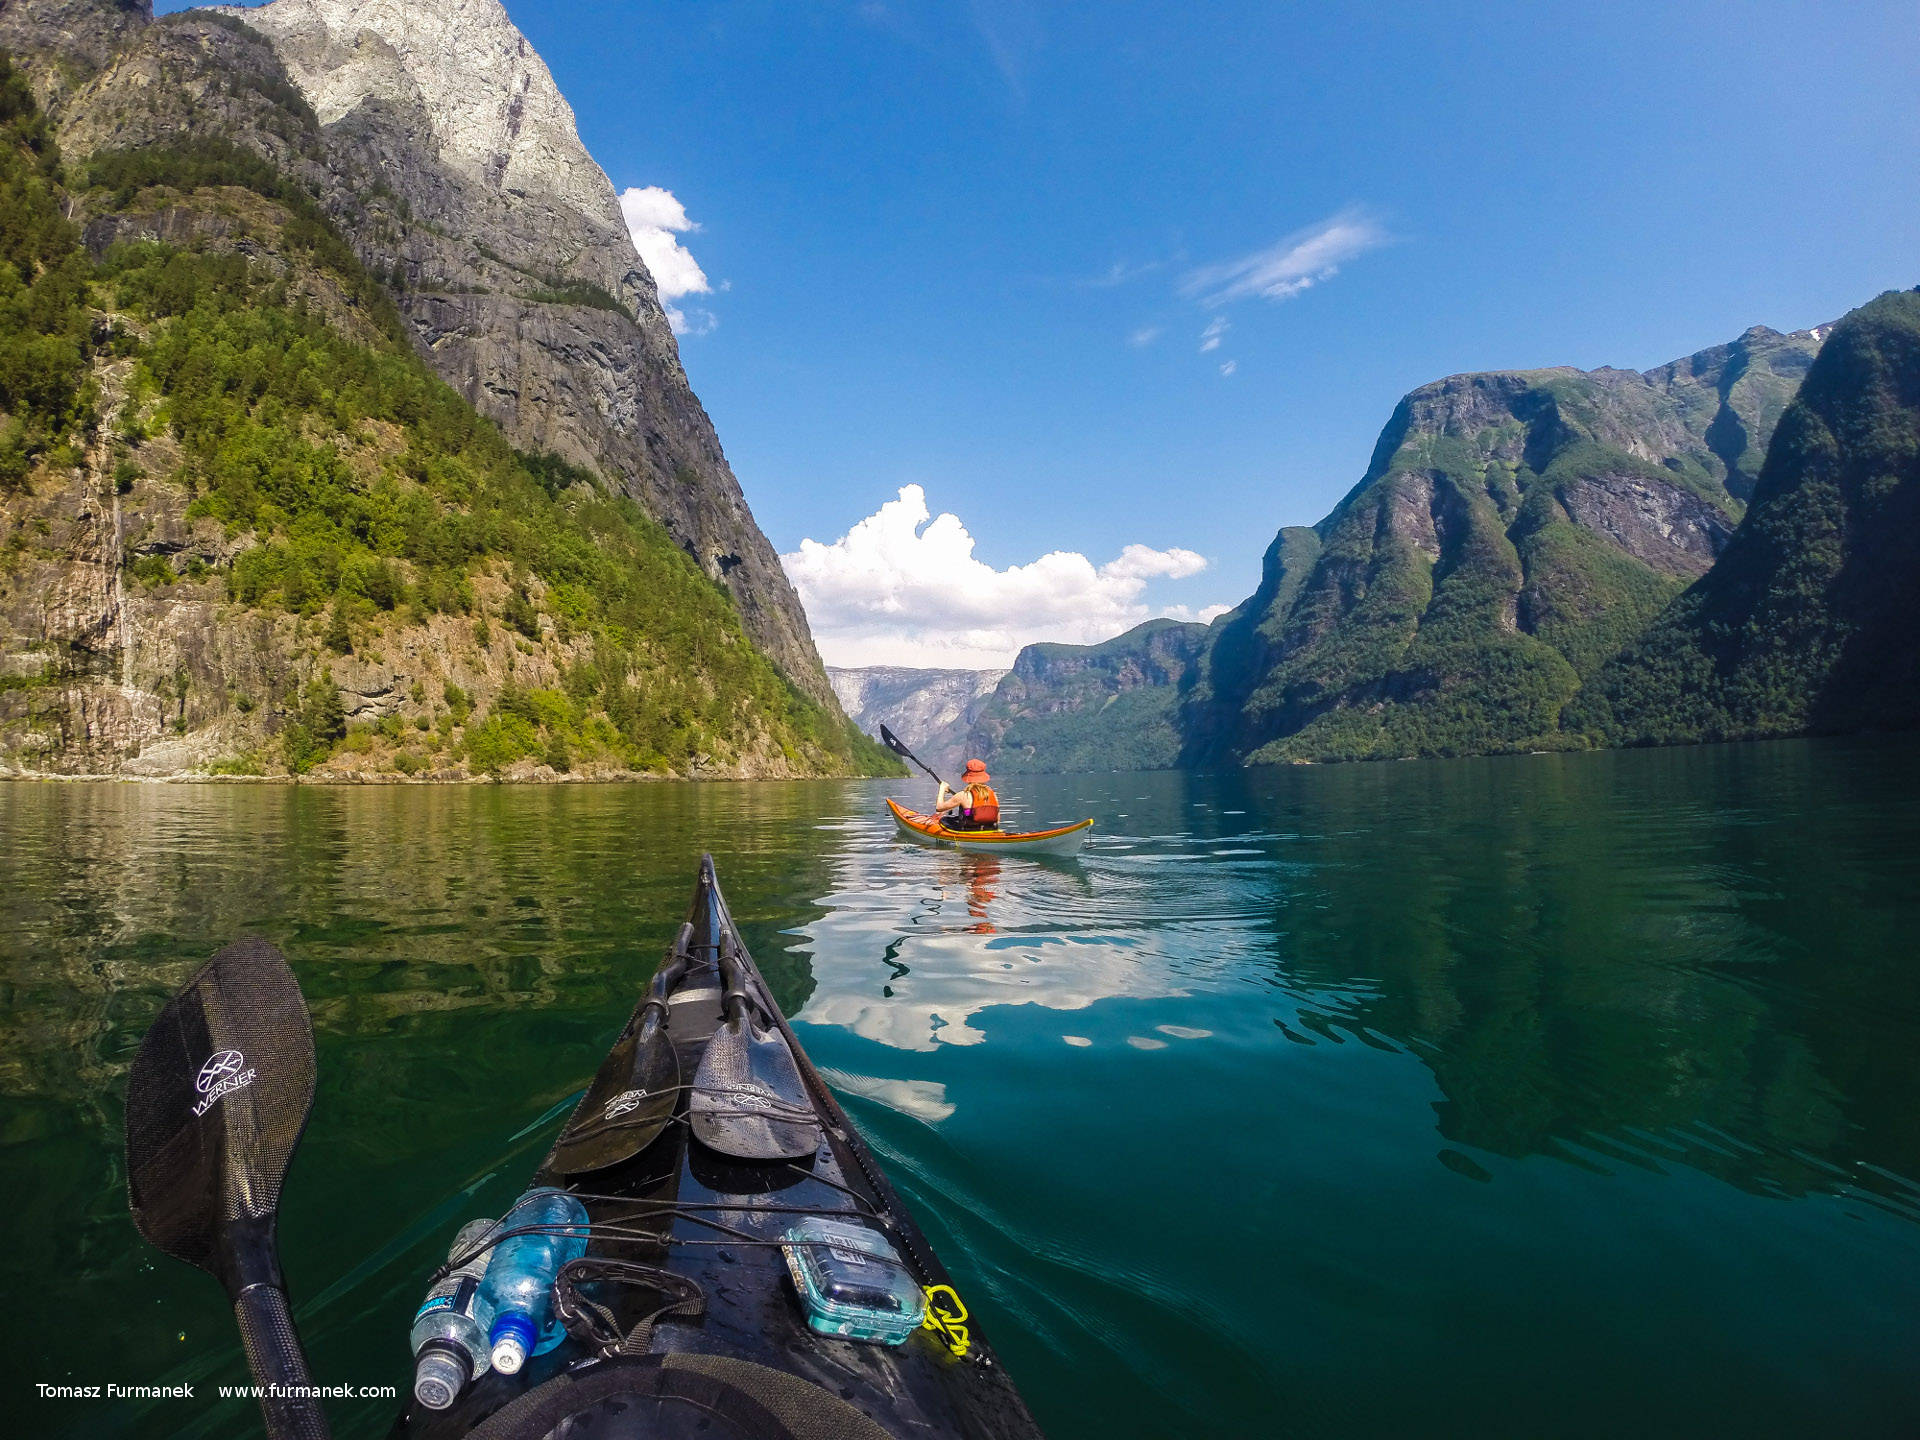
x=1112 y=706
x=1513 y=534
x=46 y=397
x=1807 y=621
x=362 y=500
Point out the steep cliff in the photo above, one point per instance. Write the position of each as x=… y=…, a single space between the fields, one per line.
x=244 y=528
x=1112 y=706
x=1514 y=531
x=1806 y=623
x=930 y=710
x=505 y=249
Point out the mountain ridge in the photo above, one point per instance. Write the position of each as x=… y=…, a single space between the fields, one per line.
x=551 y=324
x=248 y=531
x=929 y=709
x=1514 y=535
x=1805 y=624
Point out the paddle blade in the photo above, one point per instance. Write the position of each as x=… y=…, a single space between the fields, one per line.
x=628 y=1104
x=892 y=742
x=748 y=1098
x=218 y=1097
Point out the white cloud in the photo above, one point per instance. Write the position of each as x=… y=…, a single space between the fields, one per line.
x=654 y=218
x=902 y=587
x=1215 y=332
x=1298 y=262
x=1144 y=336
x=1229 y=366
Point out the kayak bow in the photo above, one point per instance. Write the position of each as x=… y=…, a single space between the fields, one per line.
x=1063 y=840
x=682 y=1318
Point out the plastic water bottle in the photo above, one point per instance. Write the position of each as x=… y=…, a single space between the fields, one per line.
x=449 y=1339
x=519 y=1280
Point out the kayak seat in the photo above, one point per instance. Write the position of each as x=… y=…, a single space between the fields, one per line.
x=666 y=1397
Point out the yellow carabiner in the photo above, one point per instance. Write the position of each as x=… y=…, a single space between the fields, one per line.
x=946 y=1318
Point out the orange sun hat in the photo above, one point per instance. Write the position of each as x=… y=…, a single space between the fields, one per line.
x=976 y=770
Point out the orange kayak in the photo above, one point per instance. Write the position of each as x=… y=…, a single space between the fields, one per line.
x=1062 y=841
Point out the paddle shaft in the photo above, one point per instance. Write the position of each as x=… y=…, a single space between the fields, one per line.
x=893 y=744
x=278 y=1365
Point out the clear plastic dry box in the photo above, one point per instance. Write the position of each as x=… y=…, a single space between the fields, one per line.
x=852 y=1282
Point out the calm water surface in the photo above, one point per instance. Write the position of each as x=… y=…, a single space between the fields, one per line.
x=1560 y=1095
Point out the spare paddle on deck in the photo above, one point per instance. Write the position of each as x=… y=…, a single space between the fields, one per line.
x=748 y=1099
x=633 y=1096
x=218 y=1097
x=892 y=742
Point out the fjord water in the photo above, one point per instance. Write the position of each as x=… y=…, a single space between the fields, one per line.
x=1571 y=1095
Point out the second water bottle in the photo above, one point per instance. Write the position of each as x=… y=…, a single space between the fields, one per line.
x=519 y=1280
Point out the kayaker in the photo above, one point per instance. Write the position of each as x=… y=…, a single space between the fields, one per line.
x=973 y=806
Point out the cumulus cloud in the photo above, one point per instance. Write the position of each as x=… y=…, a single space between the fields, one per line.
x=1215 y=332
x=1144 y=336
x=902 y=587
x=1298 y=262
x=1228 y=367
x=655 y=218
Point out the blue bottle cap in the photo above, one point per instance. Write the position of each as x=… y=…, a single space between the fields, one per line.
x=512 y=1339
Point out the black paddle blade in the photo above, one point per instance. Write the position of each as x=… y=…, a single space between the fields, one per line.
x=634 y=1093
x=892 y=742
x=629 y=1102
x=218 y=1097
x=748 y=1098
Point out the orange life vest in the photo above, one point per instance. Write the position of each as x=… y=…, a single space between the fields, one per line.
x=985 y=806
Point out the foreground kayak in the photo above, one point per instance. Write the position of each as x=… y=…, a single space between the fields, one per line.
x=1061 y=841
x=717 y=1343
x=709 y=1249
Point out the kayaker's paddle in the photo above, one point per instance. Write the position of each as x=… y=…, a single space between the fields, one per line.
x=892 y=742
x=748 y=1099
x=633 y=1096
x=218 y=1097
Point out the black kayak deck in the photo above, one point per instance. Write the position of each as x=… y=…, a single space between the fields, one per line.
x=920 y=1388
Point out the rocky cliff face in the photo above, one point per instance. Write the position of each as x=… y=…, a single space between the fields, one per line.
x=191 y=553
x=1807 y=620
x=930 y=710
x=509 y=258
x=1513 y=532
x=1112 y=706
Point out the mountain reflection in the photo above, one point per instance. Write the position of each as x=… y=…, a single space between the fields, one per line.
x=1696 y=956
x=1357 y=990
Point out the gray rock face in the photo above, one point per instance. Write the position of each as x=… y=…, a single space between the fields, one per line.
x=1670 y=529
x=930 y=710
x=83 y=34
x=511 y=262
x=121 y=651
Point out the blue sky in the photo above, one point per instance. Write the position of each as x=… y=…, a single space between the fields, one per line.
x=976 y=247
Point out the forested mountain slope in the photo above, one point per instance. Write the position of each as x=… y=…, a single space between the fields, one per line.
x=1514 y=531
x=1089 y=707
x=1513 y=534
x=1807 y=622
x=245 y=528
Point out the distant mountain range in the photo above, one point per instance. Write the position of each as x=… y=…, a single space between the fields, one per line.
x=1720 y=547
x=930 y=710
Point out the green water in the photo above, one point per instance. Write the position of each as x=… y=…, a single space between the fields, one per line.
x=1560 y=1095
